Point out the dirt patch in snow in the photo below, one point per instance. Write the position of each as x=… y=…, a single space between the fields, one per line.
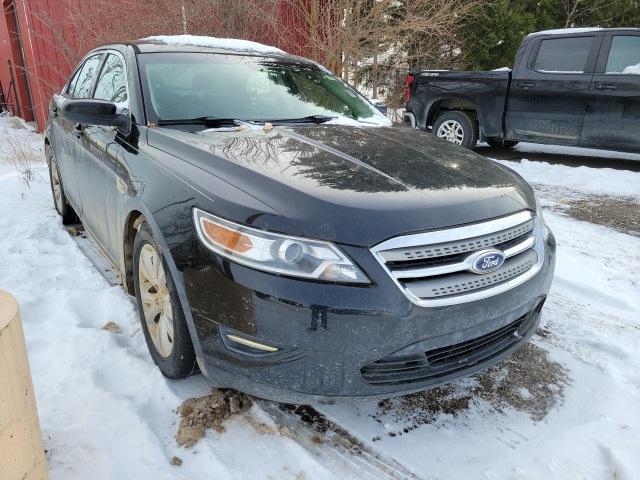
x=264 y=429
x=112 y=327
x=619 y=214
x=528 y=381
x=197 y=415
x=327 y=430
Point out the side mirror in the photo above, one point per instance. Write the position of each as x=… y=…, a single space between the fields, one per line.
x=380 y=105
x=94 y=112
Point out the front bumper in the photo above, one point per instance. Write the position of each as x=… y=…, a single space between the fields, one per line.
x=327 y=334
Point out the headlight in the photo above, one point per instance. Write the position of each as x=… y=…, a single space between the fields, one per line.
x=539 y=214
x=271 y=252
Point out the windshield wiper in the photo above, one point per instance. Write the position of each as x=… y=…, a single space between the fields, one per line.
x=208 y=121
x=307 y=119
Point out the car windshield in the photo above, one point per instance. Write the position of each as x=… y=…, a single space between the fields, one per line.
x=197 y=85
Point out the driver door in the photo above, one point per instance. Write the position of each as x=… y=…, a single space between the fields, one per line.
x=98 y=188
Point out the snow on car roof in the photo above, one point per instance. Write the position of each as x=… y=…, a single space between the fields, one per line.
x=559 y=31
x=213 y=42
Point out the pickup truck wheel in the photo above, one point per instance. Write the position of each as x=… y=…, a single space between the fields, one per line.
x=457 y=127
x=163 y=323
x=60 y=202
x=500 y=143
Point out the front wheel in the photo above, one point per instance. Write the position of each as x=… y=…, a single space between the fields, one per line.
x=163 y=322
x=457 y=127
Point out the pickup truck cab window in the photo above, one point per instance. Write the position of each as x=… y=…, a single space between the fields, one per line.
x=563 y=55
x=86 y=77
x=624 y=56
x=112 y=84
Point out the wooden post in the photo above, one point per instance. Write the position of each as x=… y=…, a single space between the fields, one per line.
x=21 y=450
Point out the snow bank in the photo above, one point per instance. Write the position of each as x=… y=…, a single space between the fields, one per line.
x=601 y=181
x=213 y=42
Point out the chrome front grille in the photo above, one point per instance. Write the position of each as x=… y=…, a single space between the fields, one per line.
x=434 y=268
x=455 y=247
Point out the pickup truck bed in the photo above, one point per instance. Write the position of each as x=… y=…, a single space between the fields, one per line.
x=572 y=87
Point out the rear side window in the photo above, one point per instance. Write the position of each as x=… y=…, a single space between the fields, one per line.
x=624 y=56
x=112 y=85
x=85 y=78
x=563 y=55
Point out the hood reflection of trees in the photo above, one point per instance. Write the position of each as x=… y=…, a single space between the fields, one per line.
x=402 y=161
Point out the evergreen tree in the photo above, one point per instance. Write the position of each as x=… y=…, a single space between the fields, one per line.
x=493 y=35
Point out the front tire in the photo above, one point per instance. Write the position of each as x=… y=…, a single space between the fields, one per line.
x=60 y=202
x=457 y=127
x=163 y=322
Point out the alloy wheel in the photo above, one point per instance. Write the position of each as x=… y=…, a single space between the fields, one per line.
x=451 y=131
x=56 y=184
x=156 y=300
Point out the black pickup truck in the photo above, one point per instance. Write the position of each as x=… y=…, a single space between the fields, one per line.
x=577 y=87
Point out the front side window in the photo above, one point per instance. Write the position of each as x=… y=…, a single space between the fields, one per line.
x=73 y=82
x=112 y=85
x=88 y=72
x=624 y=56
x=563 y=55
x=192 y=85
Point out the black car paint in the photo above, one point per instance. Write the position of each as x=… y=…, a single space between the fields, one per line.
x=543 y=107
x=353 y=186
x=325 y=181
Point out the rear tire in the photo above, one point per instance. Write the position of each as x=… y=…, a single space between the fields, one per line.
x=457 y=127
x=163 y=322
x=60 y=201
x=500 y=143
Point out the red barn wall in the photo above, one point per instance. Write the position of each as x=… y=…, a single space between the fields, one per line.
x=40 y=68
x=55 y=34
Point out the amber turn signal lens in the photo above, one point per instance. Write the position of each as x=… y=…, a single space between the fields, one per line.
x=229 y=239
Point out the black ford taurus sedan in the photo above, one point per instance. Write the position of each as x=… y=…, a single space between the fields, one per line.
x=280 y=235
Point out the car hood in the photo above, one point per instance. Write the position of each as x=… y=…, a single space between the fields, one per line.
x=352 y=185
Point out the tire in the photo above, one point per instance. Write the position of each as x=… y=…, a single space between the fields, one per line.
x=60 y=201
x=500 y=143
x=457 y=127
x=163 y=323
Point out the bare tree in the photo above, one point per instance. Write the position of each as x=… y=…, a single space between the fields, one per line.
x=375 y=42
x=368 y=42
x=576 y=9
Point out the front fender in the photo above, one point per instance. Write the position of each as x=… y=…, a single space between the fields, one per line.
x=136 y=206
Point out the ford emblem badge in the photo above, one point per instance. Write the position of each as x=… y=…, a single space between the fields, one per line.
x=487 y=261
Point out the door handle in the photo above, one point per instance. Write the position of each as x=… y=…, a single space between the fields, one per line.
x=606 y=87
x=525 y=85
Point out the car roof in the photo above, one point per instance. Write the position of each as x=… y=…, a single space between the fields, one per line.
x=201 y=44
x=569 y=31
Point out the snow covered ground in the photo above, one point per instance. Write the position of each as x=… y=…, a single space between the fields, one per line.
x=567 y=406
